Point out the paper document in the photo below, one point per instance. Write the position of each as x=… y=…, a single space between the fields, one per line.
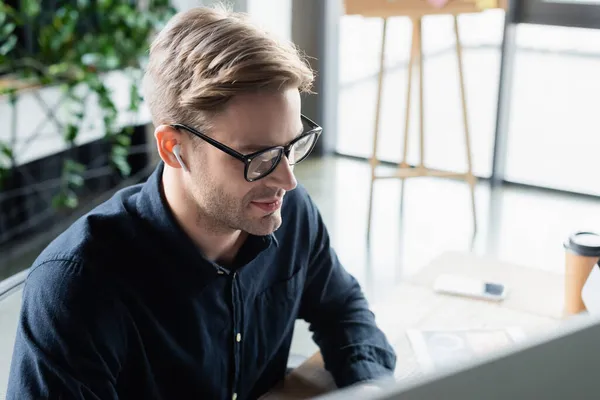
x=440 y=348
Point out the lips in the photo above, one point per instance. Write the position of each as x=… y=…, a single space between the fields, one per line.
x=268 y=205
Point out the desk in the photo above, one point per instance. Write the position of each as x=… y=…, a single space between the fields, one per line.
x=534 y=303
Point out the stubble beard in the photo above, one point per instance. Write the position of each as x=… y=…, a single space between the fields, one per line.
x=220 y=213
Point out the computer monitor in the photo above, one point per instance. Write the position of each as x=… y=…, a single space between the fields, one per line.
x=562 y=365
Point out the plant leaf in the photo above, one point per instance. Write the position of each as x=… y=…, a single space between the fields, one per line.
x=75 y=180
x=8 y=45
x=123 y=140
x=71 y=133
x=58 y=69
x=58 y=201
x=119 y=151
x=120 y=161
x=4 y=174
x=73 y=166
x=6 y=29
x=6 y=151
x=31 y=8
x=134 y=97
x=66 y=198
x=71 y=200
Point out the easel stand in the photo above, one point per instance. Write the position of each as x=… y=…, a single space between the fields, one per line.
x=404 y=170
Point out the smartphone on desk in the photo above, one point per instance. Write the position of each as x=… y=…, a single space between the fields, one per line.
x=469 y=287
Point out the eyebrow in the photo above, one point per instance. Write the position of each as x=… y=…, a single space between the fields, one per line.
x=251 y=148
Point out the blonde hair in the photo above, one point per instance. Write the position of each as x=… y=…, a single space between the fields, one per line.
x=205 y=56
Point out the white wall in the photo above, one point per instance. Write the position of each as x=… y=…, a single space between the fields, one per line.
x=183 y=5
x=274 y=15
x=238 y=5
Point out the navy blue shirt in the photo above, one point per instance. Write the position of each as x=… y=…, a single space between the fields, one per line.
x=123 y=305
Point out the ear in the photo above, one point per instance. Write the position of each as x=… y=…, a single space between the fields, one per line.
x=166 y=138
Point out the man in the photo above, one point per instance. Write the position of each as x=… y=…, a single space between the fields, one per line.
x=188 y=286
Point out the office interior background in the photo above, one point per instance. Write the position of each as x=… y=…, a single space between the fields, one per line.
x=532 y=91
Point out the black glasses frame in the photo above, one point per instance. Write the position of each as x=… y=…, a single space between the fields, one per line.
x=314 y=129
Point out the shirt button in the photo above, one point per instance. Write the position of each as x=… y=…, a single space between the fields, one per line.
x=238 y=337
x=234 y=397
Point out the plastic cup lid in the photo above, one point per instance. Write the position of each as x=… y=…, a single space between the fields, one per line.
x=585 y=243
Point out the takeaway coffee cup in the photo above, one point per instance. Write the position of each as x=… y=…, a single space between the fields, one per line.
x=582 y=251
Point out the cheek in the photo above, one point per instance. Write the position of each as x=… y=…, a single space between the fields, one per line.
x=229 y=174
x=223 y=167
x=232 y=171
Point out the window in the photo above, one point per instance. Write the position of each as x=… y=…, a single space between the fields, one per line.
x=360 y=41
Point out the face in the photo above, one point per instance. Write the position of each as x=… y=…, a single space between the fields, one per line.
x=216 y=182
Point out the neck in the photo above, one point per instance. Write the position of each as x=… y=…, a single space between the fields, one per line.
x=217 y=243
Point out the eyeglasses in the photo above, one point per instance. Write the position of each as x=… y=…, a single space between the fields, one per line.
x=261 y=163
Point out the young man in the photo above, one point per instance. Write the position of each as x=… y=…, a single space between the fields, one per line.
x=188 y=285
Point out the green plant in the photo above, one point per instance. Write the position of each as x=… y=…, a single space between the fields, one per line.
x=76 y=44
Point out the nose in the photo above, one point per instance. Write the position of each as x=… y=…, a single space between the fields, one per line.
x=283 y=176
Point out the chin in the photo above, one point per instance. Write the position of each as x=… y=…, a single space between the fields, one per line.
x=265 y=225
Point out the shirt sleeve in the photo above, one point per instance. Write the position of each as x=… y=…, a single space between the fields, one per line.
x=354 y=349
x=70 y=338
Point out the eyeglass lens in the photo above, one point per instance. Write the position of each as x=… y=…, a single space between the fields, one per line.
x=263 y=163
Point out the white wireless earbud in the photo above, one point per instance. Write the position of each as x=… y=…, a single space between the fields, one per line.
x=176 y=152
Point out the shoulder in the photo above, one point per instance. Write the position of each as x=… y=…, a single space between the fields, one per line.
x=96 y=237
x=64 y=309
x=58 y=281
x=53 y=282
x=63 y=299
